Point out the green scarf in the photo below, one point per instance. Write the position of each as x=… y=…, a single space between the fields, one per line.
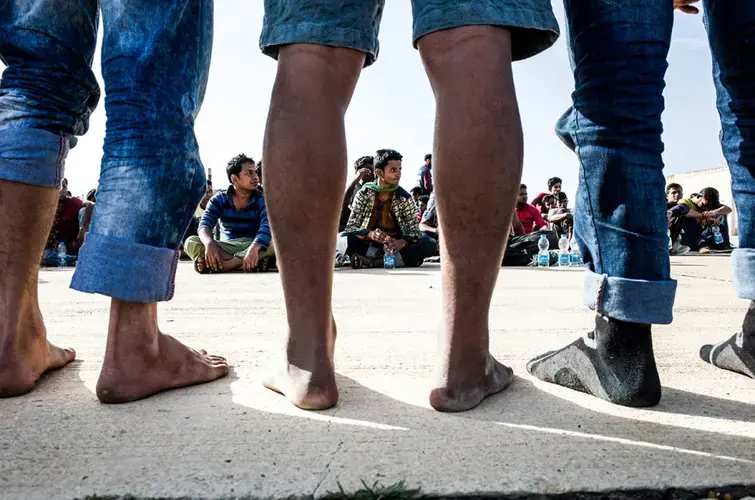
x=378 y=189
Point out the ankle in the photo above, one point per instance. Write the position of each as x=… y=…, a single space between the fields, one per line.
x=613 y=336
x=133 y=329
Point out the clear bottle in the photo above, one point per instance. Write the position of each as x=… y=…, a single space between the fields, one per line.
x=62 y=258
x=543 y=256
x=389 y=260
x=563 y=251
x=718 y=238
x=575 y=260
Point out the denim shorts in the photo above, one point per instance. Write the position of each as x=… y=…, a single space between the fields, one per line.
x=354 y=24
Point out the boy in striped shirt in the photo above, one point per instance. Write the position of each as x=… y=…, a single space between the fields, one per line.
x=245 y=239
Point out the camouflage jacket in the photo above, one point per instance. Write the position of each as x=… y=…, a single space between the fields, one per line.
x=403 y=208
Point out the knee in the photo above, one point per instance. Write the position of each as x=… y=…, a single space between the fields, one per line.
x=468 y=46
x=332 y=72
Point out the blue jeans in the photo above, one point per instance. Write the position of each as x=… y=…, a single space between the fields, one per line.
x=619 y=51
x=355 y=24
x=731 y=33
x=155 y=61
x=619 y=57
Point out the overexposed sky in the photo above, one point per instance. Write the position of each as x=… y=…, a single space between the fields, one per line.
x=393 y=106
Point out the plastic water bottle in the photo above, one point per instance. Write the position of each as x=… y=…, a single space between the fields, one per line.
x=543 y=256
x=575 y=260
x=563 y=251
x=62 y=259
x=718 y=238
x=389 y=260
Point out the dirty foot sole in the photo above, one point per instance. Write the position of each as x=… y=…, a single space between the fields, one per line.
x=300 y=387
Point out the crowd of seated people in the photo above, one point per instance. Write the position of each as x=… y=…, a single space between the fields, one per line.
x=230 y=230
x=694 y=222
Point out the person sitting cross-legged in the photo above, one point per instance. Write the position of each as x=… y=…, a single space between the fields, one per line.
x=384 y=219
x=245 y=239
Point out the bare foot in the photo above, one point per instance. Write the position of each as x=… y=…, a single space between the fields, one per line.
x=309 y=384
x=142 y=373
x=29 y=356
x=453 y=395
x=141 y=361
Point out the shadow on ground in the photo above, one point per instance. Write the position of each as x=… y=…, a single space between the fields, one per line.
x=234 y=439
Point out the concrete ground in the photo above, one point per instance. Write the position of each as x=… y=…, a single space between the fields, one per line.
x=234 y=439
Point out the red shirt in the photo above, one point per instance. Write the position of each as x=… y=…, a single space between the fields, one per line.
x=530 y=218
x=66 y=226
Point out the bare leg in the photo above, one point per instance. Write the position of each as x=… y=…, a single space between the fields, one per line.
x=477 y=169
x=305 y=146
x=140 y=361
x=26 y=214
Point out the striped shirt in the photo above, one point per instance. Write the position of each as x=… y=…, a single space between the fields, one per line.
x=248 y=223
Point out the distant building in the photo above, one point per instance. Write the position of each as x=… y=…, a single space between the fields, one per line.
x=719 y=178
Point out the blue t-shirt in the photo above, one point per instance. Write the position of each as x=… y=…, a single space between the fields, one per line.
x=248 y=223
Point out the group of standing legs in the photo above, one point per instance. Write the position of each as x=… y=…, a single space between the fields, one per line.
x=619 y=54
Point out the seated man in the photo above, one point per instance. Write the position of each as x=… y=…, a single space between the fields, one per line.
x=422 y=206
x=560 y=217
x=675 y=213
x=384 y=218
x=245 y=239
x=69 y=227
x=528 y=215
x=554 y=188
x=547 y=204
x=417 y=193
x=365 y=172
x=706 y=213
x=429 y=222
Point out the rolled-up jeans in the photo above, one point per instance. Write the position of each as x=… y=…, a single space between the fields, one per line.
x=731 y=33
x=618 y=51
x=155 y=61
x=618 y=54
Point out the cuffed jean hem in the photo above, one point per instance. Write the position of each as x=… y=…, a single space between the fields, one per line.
x=321 y=34
x=32 y=156
x=536 y=28
x=743 y=262
x=123 y=270
x=635 y=301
